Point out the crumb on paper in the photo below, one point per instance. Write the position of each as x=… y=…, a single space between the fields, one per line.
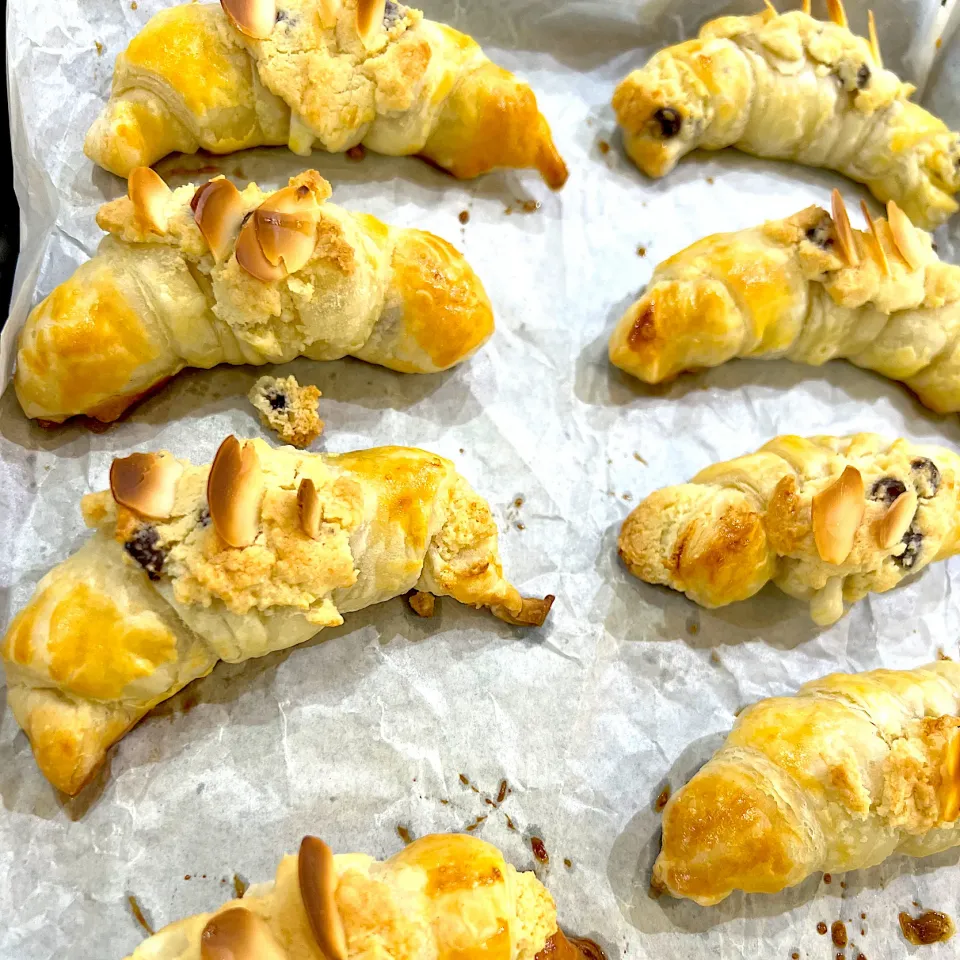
x=939 y=42
x=604 y=146
x=941 y=655
x=404 y=834
x=99 y=47
x=422 y=604
x=138 y=915
x=133 y=4
x=628 y=496
x=357 y=153
x=521 y=526
x=288 y=409
x=240 y=885
x=636 y=456
x=662 y=799
x=464 y=216
x=641 y=251
x=709 y=179
x=714 y=657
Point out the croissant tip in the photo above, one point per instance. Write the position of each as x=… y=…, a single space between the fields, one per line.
x=253 y=18
x=240 y=934
x=836 y=514
x=845 y=236
x=146 y=483
x=317 y=876
x=533 y=612
x=149 y=194
x=234 y=490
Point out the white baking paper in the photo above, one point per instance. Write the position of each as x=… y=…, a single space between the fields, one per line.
x=378 y=724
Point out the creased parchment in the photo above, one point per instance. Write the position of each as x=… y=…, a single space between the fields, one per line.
x=394 y=721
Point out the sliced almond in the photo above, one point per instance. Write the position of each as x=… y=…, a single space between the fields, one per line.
x=238 y=934
x=149 y=195
x=896 y=521
x=250 y=255
x=881 y=253
x=318 y=884
x=286 y=224
x=905 y=236
x=218 y=212
x=253 y=18
x=836 y=13
x=806 y=7
x=837 y=512
x=308 y=507
x=950 y=779
x=845 y=236
x=874 y=42
x=234 y=491
x=370 y=20
x=146 y=483
x=771 y=8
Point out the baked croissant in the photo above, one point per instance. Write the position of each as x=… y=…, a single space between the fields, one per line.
x=851 y=770
x=827 y=519
x=808 y=289
x=255 y=553
x=793 y=88
x=443 y=896
x=324 y=73
x=197 y=277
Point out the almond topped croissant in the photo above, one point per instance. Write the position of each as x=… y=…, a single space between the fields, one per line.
x=317 y=73
x=790 y=87
x=443 y=897
x=197 y=277
x=852 y=769
x=827 y=519
x=255 y=553
x=810 y=289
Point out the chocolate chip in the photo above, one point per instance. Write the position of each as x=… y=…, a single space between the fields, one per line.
x=913 y=544
x=142 y=546
x=281 y=15
x=887 y=489
x=863 y=77
x=203 y=516
x=820 y=235
x=670 y=122
x=391 y=13
x=277 y=400
x=926 y=477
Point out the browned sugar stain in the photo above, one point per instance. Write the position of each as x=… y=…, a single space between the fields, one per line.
x=604 y=146
x=661 y=800
x=404 y=834
x=821 y=928
x=693 y=628
x=568 y=863
x=709 y=179
x=476 y=823
x=357 y=153
x=510 y=824
x=641 y=251
x=186 y=876
x=518 y=502
x=941 y=655
x=464 y=216
x=539 y=850
x=137 y=911
x=930 y=927
x=794 y=955
x=445 y=802
x=521 y=526
x=838 y=933
x=637 y=457
x=99 y=47
x=827 y=878
x=133 y=5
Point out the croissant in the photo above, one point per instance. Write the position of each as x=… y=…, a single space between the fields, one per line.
x=809 y=289
x=827 y=519
x=194 y=278
x=445 y=895
x=790 y=87
x=847 y=772
x=255 y=553
x=325 y=73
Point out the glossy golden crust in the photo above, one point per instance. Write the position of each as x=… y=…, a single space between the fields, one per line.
x=846 y=773
x=784 y=514
x=153 y=301
x=446 y=896
x=325 y=75
x=149 y=604
x=788 y=289
x=791 y=87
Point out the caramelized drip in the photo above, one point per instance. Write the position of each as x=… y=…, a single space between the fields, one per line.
x=929 y=927
x=560 y=947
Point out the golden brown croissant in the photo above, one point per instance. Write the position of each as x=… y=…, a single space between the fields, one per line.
x=445 y=896
x=255 y=553
x=851 y=770
x=325 y=73
x=793 y=88
x=194 y=278
x=827 y=519
x=808 y=289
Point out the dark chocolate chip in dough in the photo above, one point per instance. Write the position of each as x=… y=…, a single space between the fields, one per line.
x=670 y=122
x=887 y=489
x=863 y=77
x=142 y=546
x=926 y=477
x=913 y=544
x=277 y=400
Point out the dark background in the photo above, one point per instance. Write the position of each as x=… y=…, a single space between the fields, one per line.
x=9 y=211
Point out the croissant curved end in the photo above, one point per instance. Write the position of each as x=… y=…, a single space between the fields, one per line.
x=533 y=611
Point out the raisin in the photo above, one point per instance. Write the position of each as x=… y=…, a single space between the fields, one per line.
x=142 y=546
x=820 y=235
x=913 y=544
x=863 y=77
x=203 y=517
x=926 y=477
x=887 y=489
x=277 y=400
x=670 y=122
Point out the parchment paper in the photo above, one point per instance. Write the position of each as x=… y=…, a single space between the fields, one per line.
x=378 y=724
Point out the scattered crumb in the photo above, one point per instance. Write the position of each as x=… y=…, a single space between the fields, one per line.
x=288 y=408
x=240 y=885
x=693 y=628
x=464 y=216
x=99 y=47
x=838 y=933
x=524 y=206
x=821 y=928
x=539 y=850
x=568 y=863
x=637 y=456
x=461 y=450
x=714 y=657
x=628 y=496
x=422 y=604
x=510 y=824
x=827 y=878
x=843 y=884
x=476 y=823
x=357 y=153
x=138 y=914
x=404 y=834
x=941 y=655
x=604 y=146
x=186 y=876
x=521 y=526
x=709 y=179
x=445 y=802
x=939 y=42
x=641 y=251
x=133 y=4
x=518 y=502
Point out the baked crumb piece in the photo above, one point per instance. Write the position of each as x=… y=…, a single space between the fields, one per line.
x=422 y=604
x=288 y=409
